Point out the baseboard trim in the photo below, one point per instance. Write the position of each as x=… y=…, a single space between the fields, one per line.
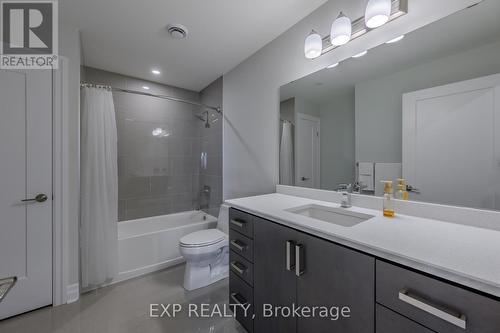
x=127 y=275
x=72 y=293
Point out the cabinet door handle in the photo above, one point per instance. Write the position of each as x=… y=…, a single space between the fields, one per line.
x=234 y=297
x=447 y=315
x=299 y=261
x=235 y=265
x=238 y=223
x=290 y=256
x=239 y=245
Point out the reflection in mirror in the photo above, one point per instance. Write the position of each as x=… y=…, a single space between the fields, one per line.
x=425 y=108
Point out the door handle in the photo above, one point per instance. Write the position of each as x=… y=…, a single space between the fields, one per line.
x=238 y=223
x=438 y=311
x=304 y=179
x=412 y=189
x=234 y=297
x=39 y=198
x=299 y=261
x=239 y=245
x=239 y=270
x=290 y=256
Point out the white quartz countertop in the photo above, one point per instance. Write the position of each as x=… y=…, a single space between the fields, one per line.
x=463 y=254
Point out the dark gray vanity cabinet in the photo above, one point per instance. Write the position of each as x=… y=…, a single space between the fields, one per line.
x=273 y=283
x=291 y=267
x=274 y=266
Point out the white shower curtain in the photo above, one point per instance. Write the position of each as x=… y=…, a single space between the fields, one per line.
x=286 y=155
x=99 y=187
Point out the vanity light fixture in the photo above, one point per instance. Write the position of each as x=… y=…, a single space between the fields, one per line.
x=359 y=55
x=313 y=45
x=377 y=13
x=341 y=30
x=395 y=40
x=145 y=87
x=155 y=72
x=333 y=65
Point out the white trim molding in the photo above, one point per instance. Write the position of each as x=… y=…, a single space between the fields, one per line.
x=60 y=184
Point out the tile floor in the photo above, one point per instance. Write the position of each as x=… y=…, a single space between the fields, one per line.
x=124 y=308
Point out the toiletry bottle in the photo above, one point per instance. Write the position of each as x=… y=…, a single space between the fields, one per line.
x=401 y=192
x=388 y=204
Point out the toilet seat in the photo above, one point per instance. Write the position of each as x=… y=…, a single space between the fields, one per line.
x=202 y=238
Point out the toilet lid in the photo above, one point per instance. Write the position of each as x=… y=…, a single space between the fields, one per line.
x=202 y=238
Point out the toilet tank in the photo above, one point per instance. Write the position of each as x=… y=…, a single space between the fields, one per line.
x=223 y=221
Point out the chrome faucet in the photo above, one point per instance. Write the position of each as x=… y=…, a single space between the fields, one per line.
x=345 y=190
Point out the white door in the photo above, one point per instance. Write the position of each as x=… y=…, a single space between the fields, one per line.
x=25 y=172
x=451 y=143
x=307 y=151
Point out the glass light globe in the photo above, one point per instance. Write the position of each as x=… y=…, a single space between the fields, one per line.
x=377 y=13
x=313 y=45
x=341 y=30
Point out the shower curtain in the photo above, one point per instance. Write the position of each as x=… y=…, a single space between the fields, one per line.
x=99 y=187
x=286 y=155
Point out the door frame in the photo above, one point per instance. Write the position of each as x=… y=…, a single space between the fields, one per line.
x=317 y=180
x=61 y=292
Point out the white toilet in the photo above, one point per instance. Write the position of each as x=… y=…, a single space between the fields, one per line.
x=206 y=253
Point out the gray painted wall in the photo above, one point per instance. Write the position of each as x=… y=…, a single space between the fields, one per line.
x=337 y=141
x=379 y=101
x=251 y=90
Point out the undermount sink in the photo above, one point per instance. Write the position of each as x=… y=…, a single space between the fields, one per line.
x=338 y=216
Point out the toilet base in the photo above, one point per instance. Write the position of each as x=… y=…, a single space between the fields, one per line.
x=197 y=276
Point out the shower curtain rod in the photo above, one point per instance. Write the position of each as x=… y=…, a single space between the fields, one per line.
x=181 y=100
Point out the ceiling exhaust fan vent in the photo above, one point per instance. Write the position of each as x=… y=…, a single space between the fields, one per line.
x=177 y=31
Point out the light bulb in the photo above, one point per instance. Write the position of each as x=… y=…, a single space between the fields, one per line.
x=377 y=13
x=341 y=30
x=313 y=45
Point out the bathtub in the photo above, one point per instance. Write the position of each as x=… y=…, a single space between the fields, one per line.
x=150 y=244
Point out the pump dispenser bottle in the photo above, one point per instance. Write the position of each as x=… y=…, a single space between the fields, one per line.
x=401 y=192
x=388 y=202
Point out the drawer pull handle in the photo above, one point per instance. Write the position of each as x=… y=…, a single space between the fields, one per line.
x=235 y=265
x=299 y=261
x=238 y=223
x=290 y=256
x=239 y=245
x=235 y=296
x=444 y=314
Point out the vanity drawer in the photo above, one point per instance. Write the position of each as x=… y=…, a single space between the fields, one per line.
x=241 y=244
x=241 y=222
x=391 y=322
x=241 y=267
x=442 y=307
x=240 y=294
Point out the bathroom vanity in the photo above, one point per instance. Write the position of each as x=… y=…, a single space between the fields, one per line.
x=288 y=250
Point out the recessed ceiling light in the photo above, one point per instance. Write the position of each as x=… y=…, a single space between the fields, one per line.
x=155 y=72
x=145 y=87
x=359 y=55
x=395 y=40
x=333 y=65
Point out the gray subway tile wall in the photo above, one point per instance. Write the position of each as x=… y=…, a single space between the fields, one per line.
x=163 y=174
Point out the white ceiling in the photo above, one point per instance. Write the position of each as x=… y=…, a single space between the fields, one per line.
x=459 y=32
x=130 y=37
